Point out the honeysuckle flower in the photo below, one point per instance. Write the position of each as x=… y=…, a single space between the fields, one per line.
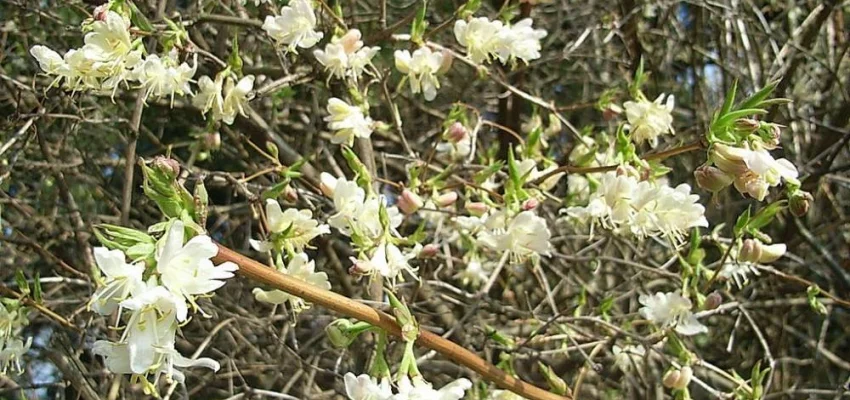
x=409 y=202
x=120 y=280
x=12 y=354
x=389 y=261
x=152 y=296
x=738 y=272
x=187 y=270
x=295 y=27
x=365 y=387
x=526 y=234
x=421 y=69
x=347 y=121
x=755 y=171
x=295 y=228
x=419 y=389
x=49 y=61
x=650 y=119
x=627 y=206
x=163 y=77
x=628 y=356
x=519 y=41
x=302 y=268
x=474 y=273
x=671 y=310
x=479 y=36
x=224 y=97
x=346 y=56
x=678 y=379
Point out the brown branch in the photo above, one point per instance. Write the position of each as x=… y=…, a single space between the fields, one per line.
x=257 y=272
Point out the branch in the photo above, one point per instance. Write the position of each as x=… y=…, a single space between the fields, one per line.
x=257 y=272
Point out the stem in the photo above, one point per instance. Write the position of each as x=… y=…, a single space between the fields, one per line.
x=259 y=273
x=130 y=155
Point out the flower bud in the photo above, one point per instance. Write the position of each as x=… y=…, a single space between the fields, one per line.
x=457 y=132
x=169 y=167
x=337 y=333
x=350 y=41
x=446 y=65
x=670 y=378
x=100 y=12
x=747 y=124
x=800 y=202
x=712 y=301
x=445 y=199
x=430 y=250
x=678 y=379
x=729 y=159
x=212 y=141
x=611 y=112
x=409 y=202
x=530 y=204
x=750 y=251
x=712 y=178
x=360 y=267
x=477 y=208
x=290 y=194
x=327 y=184
x=770 y=135
x=771 y=253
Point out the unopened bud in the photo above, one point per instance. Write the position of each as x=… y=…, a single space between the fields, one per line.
x=168 y=166
x=554 y=125
x=100 y=12
x=750 y=251
x=611 y=112
x=770 y=135
x=360 y=267
x=457 y=132
x=337 y=333
x=771 y=253
x=530 y=204
x=747 y=124
x=445 y=199
x=712 y=179
x=729 y=159
x=800 y=202
x=290 y=194
x=678 y=379
x=670 y=378
x=430 y=250
x=446 y=65
x=351 y=41
x=409 y=202
x=477 y=208
x=712 y=301
x=212 y=141
x=327 y=184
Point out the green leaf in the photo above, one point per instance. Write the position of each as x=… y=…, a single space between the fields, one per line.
x=21 y=280
x=764 y=216
x=757 y=98
x=139 y=19
x=275 y=191
x=234 y=61
x=741 y=223
x=729 y=118
x=730 y=99
x=37 y=293
x=812 y=293
x=417 y=30
x=468 y=9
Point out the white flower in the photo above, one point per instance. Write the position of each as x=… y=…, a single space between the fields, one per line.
x=295 y=27
x=187 y=270
x=299 y=226
x=650 y=119
x=364 y=387
x=628 y=356
x=49 y=61
x=346 y=56
x=474 y=273
x=12 y=354
x=520 y=41
x=627 y=206
x=421 y=69
x=479 y=36
x=302 y=268
x=223 y=98
x=754 y=171
x=524 y=235
x=671 y=310
x=121 y=279
x=152 y=296
x=389 y=261
x=419 y=389
x=348 y=121
x=163 y=77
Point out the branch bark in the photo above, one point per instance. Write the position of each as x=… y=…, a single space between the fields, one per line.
x=257 y=272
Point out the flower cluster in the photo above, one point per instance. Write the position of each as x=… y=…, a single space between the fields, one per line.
x=13 y=318
x=295 y=27
x=345 y=56
x=224 y=97
x=347 y=122
x=110 y=57
x=625 y=205
x=422 y=68
x=649 y=119
x=750 y=254
x=485 y=40
x=671 y=310
x=182 y=272
x=290 y=232
x=750 y=167
x=365 y=387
